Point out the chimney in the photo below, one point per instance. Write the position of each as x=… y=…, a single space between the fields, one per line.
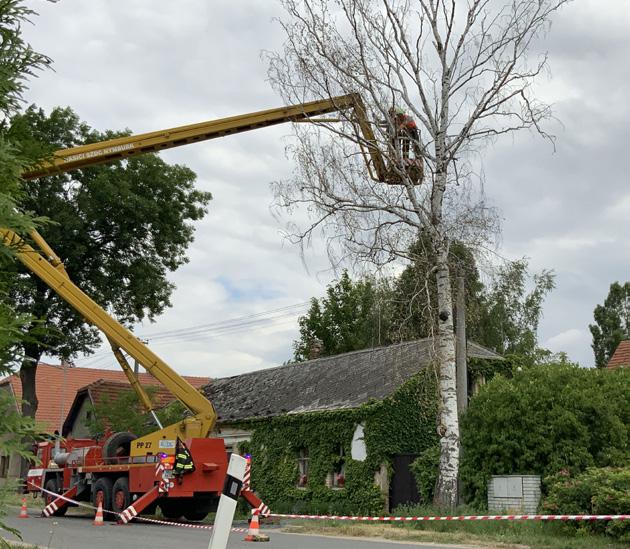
x=315 y=349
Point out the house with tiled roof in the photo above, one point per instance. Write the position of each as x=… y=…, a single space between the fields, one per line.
x=336 y=433
x=105 y=391
x=57 y=387
x=621 y=356
x=343 y=381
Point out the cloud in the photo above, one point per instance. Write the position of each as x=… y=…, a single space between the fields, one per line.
x=570 y=341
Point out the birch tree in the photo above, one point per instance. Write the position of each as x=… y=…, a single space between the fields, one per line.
x=464 y=70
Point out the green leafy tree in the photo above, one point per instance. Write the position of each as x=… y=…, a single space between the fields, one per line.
x=124 y=412
x=544 y=420
x=510 y=312
x=503 y=316
x=18 y=61
x=348 y=318
x=366 y=313
x=120 y=229
x=14 y=430
x=413 y=299
x=612 y=323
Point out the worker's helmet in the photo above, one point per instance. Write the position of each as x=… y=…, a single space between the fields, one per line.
x=399 y=111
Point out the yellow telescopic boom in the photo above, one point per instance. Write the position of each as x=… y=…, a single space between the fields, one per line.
x=117 y=149
x=49 y=268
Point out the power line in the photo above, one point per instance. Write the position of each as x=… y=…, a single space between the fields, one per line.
x=278 y=316
x=243 y=320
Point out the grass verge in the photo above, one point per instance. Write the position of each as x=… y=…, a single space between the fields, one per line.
x=17 y=544
x=534 y=535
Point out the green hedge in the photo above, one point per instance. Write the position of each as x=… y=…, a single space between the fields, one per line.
x=402 y=423
x=597 y=491
x=544 y=420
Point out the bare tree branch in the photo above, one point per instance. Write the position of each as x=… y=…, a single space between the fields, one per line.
x=462 y=70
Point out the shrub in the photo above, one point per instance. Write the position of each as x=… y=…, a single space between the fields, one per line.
x=545 y=419
x=597 y=491
x=425 y=471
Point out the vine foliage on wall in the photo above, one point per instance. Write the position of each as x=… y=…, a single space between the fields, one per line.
x=404 y=422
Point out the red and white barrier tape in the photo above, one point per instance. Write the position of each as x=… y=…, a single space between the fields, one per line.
x=185 y=525
x=456 y=518
x=144 y=519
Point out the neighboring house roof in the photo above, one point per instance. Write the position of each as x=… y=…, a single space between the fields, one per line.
x=104 y=390
x=621 y=356
x=58 y=385
x=329 y=383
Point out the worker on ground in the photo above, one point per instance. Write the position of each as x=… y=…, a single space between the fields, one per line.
x=183 y=460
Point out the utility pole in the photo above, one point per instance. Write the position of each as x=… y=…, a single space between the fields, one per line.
x=461 y=355
x=136 y=364
x=461 y=360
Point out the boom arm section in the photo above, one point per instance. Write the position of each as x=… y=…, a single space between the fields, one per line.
x=117 y=149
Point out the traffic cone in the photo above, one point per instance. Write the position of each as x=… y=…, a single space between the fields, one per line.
x=23 y=513
x=98 y=519
x=254 y=530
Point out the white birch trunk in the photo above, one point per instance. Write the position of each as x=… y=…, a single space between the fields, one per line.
x=448 y=428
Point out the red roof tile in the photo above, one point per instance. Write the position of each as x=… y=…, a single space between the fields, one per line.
x=107 y=390
x=57 y=386
x=621 y=356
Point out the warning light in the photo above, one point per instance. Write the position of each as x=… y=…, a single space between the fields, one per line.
x=248 y=456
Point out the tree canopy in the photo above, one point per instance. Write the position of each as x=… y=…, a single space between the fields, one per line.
x=612 y=323
x=124 y=412
x=503 y=314
x=18 y=62
x=511 y=309
x=348 y=318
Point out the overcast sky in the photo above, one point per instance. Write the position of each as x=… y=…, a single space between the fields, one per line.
x=153 y=64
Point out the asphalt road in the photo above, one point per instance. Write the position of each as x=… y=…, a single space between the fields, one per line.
x=75 y=532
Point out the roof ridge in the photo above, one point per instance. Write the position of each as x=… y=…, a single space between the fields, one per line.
x=328 y=358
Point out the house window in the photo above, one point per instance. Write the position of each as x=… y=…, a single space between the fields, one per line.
x=4 y=466
x=337 y=477
x=302 y=460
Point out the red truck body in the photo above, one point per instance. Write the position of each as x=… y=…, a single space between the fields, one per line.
x=78 y=466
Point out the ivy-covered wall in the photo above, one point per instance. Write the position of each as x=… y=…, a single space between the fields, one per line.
x=405 y=422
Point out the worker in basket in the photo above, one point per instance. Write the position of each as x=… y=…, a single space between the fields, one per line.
x=405 y=133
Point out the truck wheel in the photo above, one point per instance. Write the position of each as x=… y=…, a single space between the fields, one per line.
x=195 y=515
x=170 y=510
x=120 y=495
x=118 y=446
x=102 y=493
x=53 y=486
